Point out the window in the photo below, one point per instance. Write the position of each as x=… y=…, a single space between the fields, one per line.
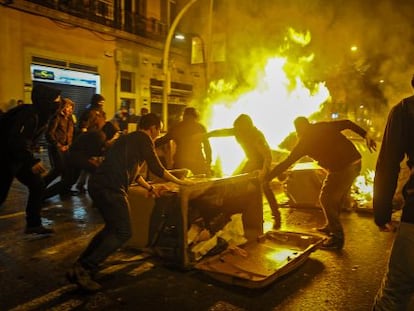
x=105 y=8
x=127 y=81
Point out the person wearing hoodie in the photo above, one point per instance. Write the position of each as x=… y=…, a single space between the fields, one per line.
x=59 y=136
x=90 y=119
x=20 y=129
x=191 y=153
x=258 y=156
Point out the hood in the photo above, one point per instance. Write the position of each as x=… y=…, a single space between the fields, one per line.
x=96 y=101
x=43 y=97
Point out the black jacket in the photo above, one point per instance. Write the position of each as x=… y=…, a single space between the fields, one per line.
x=397 y=142
x=188 y=149
x=22 y=126
x=120 y=166
x=324 y=142
x=89 y=119
x=60 y=130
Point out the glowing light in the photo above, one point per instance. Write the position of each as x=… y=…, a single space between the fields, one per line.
x=179 y=36
x=354 y=48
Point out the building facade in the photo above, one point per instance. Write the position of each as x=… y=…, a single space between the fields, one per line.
x=114 y=48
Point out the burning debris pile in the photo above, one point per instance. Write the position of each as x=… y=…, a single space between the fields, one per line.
x=362 y=190
x=202 y=240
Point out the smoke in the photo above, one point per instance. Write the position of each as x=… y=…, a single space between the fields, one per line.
x=376 y=75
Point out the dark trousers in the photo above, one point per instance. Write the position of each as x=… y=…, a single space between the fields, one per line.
x=397 y=288
x=334 y=193
x=74 y=164
x=114 y=207
x=251 y=166
x=57 y=164
x=34 y=183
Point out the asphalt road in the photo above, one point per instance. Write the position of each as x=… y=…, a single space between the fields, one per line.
x=32 y=270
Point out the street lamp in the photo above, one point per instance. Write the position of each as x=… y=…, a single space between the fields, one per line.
x=165 y=62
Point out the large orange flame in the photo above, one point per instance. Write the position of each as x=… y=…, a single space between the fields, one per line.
x=273 y=105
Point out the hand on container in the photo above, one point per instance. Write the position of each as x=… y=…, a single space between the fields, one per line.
x=154 y=192
x=38 y=168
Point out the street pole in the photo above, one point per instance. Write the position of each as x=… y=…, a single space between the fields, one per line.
x=165 y=63
x=209 y=43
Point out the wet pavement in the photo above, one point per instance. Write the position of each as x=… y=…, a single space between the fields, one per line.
x=32 y=270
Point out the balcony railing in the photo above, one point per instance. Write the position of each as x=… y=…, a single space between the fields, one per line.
x=106 y=13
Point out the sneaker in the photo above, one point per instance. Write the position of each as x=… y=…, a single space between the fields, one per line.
x=333 y=243
x=75 y=192
x=38 y=230
x=80 y=276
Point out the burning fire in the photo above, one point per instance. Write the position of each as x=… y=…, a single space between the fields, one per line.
x=278 y=98
x=363 y=188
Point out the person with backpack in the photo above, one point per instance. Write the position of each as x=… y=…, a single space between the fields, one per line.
x=20 y=129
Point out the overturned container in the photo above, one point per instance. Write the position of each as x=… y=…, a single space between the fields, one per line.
x=216 y=225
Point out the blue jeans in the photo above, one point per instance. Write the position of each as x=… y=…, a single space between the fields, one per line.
x=334 y=192
x=397 y=286
x=114 y=207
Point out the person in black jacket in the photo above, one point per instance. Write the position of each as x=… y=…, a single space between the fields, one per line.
x=90 y=118
x=85 y=154
x=324 y=142
x=258 y=154
x=397 y=287
x=108 y=188
x=20 y=129
x=192 y=150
